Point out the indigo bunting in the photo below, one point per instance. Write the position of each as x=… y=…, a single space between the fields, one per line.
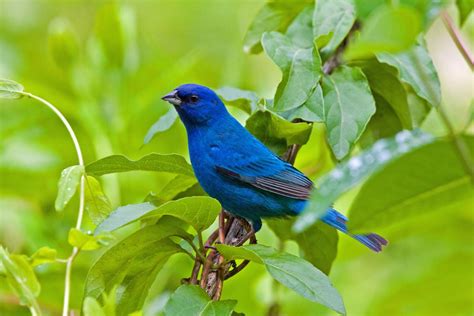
x=239 y=171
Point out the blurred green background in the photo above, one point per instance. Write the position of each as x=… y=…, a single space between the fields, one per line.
x=105 y=65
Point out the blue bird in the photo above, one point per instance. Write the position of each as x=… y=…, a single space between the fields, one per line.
x=239 y=171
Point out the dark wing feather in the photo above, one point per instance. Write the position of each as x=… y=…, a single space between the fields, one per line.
x=288 y=181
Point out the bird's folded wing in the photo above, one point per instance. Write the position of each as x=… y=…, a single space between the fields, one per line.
x=275 y=176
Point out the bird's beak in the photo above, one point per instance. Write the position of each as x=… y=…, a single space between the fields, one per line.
x=172 y=98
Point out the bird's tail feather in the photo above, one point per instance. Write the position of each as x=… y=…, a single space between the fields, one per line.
x=337 y=220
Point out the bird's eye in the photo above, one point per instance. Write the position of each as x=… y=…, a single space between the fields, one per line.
x=193 y=98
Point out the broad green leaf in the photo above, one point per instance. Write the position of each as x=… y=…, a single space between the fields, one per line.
x=43 y=255
x=10 y=89
x=132 y=264
x=63 y=43
x=276 y=132
x=92 y=308
x=465 y=8
x=350 y=173
x=317 y=244
x=274 y=16
x=171 y=163
x=83 y=241
x=300 y=30
x=97 y=204
x=198 y=211
x=300 y=67
x=388 y=29
x=291 y=271
x=179 y=184
x=428 y=179
x=383 y=124
x=311 y=111
x=419 y=107
x=365 y=7
x=163 y=124
x=243 y=99
x=22 y=279
x=332 y=21
x=417 y=70
x=348 y=105
x=191 y=300
x=67 y=186
x=383 y=80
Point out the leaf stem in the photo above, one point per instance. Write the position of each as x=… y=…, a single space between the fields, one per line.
x=75 y=250
x=457 y=39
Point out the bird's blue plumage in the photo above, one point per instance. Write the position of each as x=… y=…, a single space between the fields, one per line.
x=238 y=170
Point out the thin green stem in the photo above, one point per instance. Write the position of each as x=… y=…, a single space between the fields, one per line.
x=75 y=250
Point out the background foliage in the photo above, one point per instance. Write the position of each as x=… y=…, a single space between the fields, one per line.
x=106 y=64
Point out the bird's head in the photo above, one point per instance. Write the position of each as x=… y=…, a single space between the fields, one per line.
x=196 y=105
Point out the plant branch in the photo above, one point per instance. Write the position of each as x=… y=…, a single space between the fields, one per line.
x=457 y=39
x=75 y=250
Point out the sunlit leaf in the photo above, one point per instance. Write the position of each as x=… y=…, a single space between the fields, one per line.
x=84 y=241
x=317 y=244
x=163 y=124
x=300 y=67
x=199 y=211
x=193 y=301
x=43 y=255
x=350 y=173
x=388 y=29
x=97 y=204
x=427 y=179
x=92 y=308
x=465 y=8
x=10 y=89
x=242 y=99
x=67 y=186
x=332 y=21
x=179 y=184
x=132 y=264
x=22 y=279
x=416 y=69
x=312 y=110
x=274 y=16
x=291 y=271
x=171 y=163
x=276 y=132
x=349 y=105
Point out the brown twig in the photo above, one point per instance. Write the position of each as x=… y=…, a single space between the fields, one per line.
x=457 y=39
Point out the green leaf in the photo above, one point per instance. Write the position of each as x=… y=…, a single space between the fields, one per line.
x=43 y=255
x=179 y=184
x=243 y=99
x=198 y=211
x=428 y=179
x=97 y=204
x=349 y=105
x=388 y=29
x=191 y=300
x=383 y=80
x=63 y=43
x=291 y=271
x=22 y=279
x=163 y=124
x=332 y=21
x=311 y=111
x=274 y=16
x=276 y=132
x=92 y=308
x=350 y=173
x=83 y=241
x=132 y=264
x=301 y=29
x=300 y=67
x=417 y=70
x=317 y=244
x=383 y=124
x=67 y=186
x=465 y=8
x=10 y=89
x=153 y=162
